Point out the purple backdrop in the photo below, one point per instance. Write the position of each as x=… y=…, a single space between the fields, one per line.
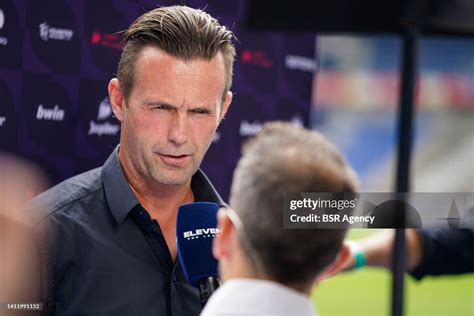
x=57 y=56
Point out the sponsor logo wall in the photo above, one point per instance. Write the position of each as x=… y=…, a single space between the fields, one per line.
x=57 y=57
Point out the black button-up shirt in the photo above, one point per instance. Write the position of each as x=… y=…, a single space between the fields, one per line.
x=106 y=255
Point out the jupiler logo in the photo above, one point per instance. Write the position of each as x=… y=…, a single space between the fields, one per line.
x=47 y=32
x=105 y=110
x=99 y=127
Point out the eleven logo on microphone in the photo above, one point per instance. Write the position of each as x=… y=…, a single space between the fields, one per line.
x=202 y=232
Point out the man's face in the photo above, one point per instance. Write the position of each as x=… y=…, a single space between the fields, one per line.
x=173 y=111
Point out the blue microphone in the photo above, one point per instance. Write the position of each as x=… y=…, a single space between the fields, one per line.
x=196 y=227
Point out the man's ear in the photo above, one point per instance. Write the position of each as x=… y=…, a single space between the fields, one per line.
x=339 y=264
x=117 y=99
x=225 y=104
x=221 y=244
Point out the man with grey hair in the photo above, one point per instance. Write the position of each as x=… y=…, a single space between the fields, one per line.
x=112 y=248
x=266 y=269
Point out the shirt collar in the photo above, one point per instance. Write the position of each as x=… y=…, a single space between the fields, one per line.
x=118 y=193
x=121 y=199
x=258 y=297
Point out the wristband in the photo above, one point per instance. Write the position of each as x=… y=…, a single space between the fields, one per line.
x=358 y=254
x=359 y=257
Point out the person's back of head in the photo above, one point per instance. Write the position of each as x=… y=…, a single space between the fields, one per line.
x=281 y=159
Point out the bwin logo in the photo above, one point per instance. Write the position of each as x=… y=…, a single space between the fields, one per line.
x=105 y=110
x=54 y=114
x=203 y=232
x=2 y=19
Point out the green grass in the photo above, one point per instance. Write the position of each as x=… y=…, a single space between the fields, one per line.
x=368 y=292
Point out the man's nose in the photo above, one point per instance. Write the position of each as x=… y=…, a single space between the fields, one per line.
x=178 y=129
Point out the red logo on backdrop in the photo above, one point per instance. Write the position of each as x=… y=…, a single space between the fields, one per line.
x=256 y=57
x=108 y=40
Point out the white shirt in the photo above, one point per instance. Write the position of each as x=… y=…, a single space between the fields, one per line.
x=257 y=297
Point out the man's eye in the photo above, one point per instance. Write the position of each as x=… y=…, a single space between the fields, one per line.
x=161 y=107
x=200 y=111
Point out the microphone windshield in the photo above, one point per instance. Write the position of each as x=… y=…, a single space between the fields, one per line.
x=196 y=227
